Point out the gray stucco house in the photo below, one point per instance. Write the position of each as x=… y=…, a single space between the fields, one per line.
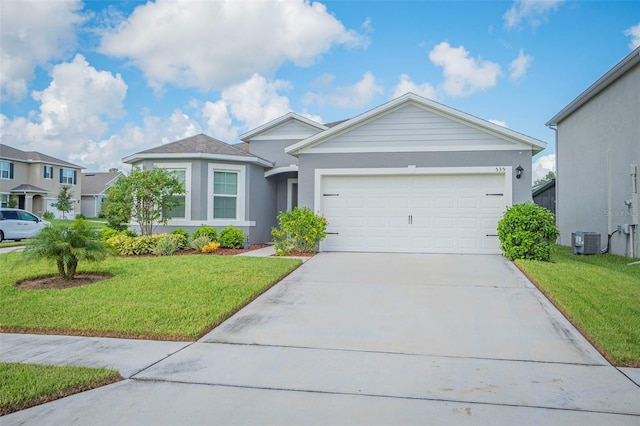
x=411 y=175
x=597 y=156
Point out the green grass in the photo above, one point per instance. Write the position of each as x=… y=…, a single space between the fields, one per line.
x=599 y=294
x=26 y=385
x=163 y=298
x=13 y=244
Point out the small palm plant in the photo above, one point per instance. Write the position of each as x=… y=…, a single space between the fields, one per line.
x=66 y=244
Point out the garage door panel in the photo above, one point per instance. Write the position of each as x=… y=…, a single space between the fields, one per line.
x=416 y=213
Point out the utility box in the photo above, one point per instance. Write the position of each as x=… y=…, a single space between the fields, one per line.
x=585 y=243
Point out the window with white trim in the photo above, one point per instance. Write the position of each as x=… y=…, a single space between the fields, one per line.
x=183 y=172
x=226 y=192
x=4 y=200
x=67 y=176
x=178 y=212
x=6 y=170
x=48 y=172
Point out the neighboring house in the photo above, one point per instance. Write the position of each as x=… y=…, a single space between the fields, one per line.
x=544 y=195
x=94 y=186
x=34 y=180
x=597 y=156
x=411 y=175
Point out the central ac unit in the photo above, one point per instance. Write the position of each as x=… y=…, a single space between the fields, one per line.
x=585 y=243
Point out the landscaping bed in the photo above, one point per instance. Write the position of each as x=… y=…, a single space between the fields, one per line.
x=599 y=294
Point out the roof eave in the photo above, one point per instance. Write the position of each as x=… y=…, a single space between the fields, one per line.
x=602 y=83
x=167 y=156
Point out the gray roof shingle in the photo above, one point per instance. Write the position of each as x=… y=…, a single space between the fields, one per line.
x=198 y=144
x=96 y=183
x=12 y=153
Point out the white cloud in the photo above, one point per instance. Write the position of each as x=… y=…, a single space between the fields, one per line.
x=211 y=44
x=257 y=101
x=73 y=110
x=219 y=122
x=33 y=34
x=634 y=33
x=499 y=122
x=358 y=95
x=463 y=75
x=543 y=165
x=532 y=11
x=406 y=84
x=518 y=67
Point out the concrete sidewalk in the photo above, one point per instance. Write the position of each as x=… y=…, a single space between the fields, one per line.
x=358 y=339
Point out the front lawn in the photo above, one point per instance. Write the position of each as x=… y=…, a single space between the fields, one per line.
x=26 y=385
x=162 y=298
x=600 y=295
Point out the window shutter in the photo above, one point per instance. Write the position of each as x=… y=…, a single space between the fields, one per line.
x=44 y=172
x=10 y=170
x=75 y=177
x=60 y=174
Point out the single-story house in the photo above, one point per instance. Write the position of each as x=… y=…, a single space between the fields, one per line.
x=34 y=180
x=544 y=195
x=411 y=175
x=94 y=186
x=597 y=158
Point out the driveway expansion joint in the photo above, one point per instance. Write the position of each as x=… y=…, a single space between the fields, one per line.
x=426 y=355
x=396 y=397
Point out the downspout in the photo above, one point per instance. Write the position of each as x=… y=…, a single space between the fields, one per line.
x=554 y=127
x=633 y=234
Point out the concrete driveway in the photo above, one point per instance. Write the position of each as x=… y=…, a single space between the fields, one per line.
x=352 y=338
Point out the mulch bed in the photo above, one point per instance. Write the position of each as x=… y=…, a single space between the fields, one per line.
x=55 y=282
x=224 y=251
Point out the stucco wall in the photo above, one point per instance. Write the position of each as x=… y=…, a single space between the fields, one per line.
x=595 y=147
x=309 y=162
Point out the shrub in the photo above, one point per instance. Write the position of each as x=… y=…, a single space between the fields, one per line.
x=211 y=247
x=107 y=233
x=300 y=230
x=48 y=215
x=199 y=242
x=126 y=245
x=167 y=245
x=129 y=232
x=231 y=237
x=184 y=233
x=207 y=231
x=81 y=216
x=527 y=231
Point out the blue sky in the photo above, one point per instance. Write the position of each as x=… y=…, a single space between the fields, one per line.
x=91 y=82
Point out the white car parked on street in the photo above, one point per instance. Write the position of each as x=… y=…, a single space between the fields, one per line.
x=17 y=224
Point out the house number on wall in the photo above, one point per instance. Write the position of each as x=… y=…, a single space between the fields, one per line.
x=500 y=169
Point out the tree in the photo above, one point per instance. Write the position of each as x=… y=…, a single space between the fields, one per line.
x=113 y=170
x=546 y=178
x=64 y=203
x=66 y=244
x=146 y=196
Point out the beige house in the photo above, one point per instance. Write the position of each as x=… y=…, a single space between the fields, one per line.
x=34 y=180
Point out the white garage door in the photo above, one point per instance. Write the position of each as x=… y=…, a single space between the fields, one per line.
x=413 y=213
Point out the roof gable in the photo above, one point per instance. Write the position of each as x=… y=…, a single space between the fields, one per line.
x=288 y=126
x=412 y=123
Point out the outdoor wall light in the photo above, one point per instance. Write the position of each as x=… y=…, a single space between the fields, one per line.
x=519 y=171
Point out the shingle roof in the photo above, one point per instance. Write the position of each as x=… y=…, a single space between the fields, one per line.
x=198 y=144
x=12 y=153
x=97 y=183
x=25 y=187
